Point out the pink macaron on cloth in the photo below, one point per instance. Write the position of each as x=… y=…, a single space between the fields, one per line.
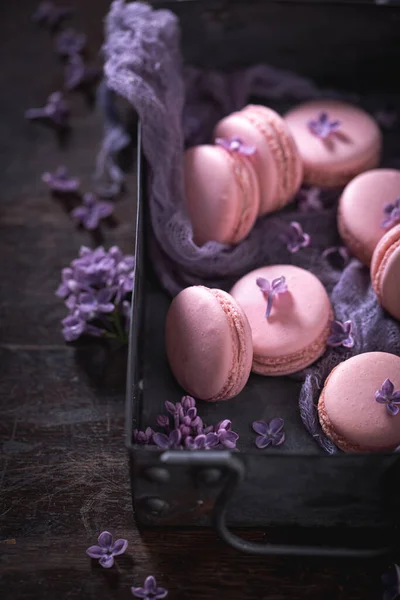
x=179 y=107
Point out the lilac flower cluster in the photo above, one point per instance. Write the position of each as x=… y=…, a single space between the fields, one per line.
x=97 y=289
x=184 y=429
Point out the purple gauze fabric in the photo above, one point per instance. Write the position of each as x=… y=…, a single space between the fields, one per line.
x=143 y=64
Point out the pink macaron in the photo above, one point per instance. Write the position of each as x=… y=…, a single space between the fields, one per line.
x=208 y=343
x=336 y=141
x=222 y=194
x=289 y=314
x=358 y=406
x=385 y=271
x=276 y=159
x=363 y=210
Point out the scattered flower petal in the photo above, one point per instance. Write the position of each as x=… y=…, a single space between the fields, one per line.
x=61 y=182
x=269 y=434
x=341 y=334
x=386 y=395
x=295 y=238
x=322 y=127
x=308 y=199
x=150 y=591
x=54 y=112
x=107 y=549
x=91 y=212
x=235 y=144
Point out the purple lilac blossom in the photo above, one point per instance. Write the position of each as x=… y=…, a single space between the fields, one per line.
x=92 y=211
x=269 y=434
x=392 y=214
x=322 y=127
x=235 y=145
x=308 y=199
x=149 y=591
x=78 y=74
x=341 y=334
x=59 y=181
x=91 y=292
x=70 y=42
x=183 y=428
x=270 y=290
x=295 y=238
x=386 y=395
x=107 y=549
x=54 y=112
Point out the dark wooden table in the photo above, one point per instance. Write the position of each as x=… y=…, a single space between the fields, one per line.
x=63 y=467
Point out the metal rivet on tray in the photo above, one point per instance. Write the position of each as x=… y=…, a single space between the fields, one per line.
x=155 y=505
x=157 y=474
x=210 y=476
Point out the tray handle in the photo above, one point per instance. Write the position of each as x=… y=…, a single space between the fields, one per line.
x=236 y=473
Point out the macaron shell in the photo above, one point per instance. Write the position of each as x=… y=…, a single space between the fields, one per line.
x=235 y=125
x=208 y=343
x=348 y=411
x=295 y=334
x=222 y=194
x=360 y=212
x=354 y=148
x=283 y=147
x=385 y=272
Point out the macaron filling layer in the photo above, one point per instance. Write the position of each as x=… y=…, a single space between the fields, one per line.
x=239 y=349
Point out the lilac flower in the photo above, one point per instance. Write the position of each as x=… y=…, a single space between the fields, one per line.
x=70 y=42
x=387 y=395
x=73 y=327
x=392 y=214
x=235 y=144
x=163 y=421
x=202 y=442
x=270 y=434
x=168 y=441
x=93 y=303
x=89 y=288
x=92 y=211
x=60 y=181
x=270 y=290
x=78 y=74
x=341 y=334
x=150 y=591
x=335 y=255
x=143 y=437
x=226 y=437
x=322 y=127
x=55 y=112
x=107 y=549
x=295 y=238
x=309 y=199
x=391 y=582
x=50 y=15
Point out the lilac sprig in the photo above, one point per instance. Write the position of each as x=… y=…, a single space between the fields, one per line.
x=92 y=211
x=269 y=434
x=295 y=238
x=270 y=290
x=55 y=112
x=107 y=549
x=235 y=144
x=97 y=290
x=341 y=334
x=323 y=127
x=61 y=182
x=149 y=591
x=386 y=395
x=183 y=428
x=70 y=42
x=392 y=214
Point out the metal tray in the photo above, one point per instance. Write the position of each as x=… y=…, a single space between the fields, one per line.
x=308 y=503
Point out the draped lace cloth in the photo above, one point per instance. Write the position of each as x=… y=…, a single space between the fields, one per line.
x=143 y=64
